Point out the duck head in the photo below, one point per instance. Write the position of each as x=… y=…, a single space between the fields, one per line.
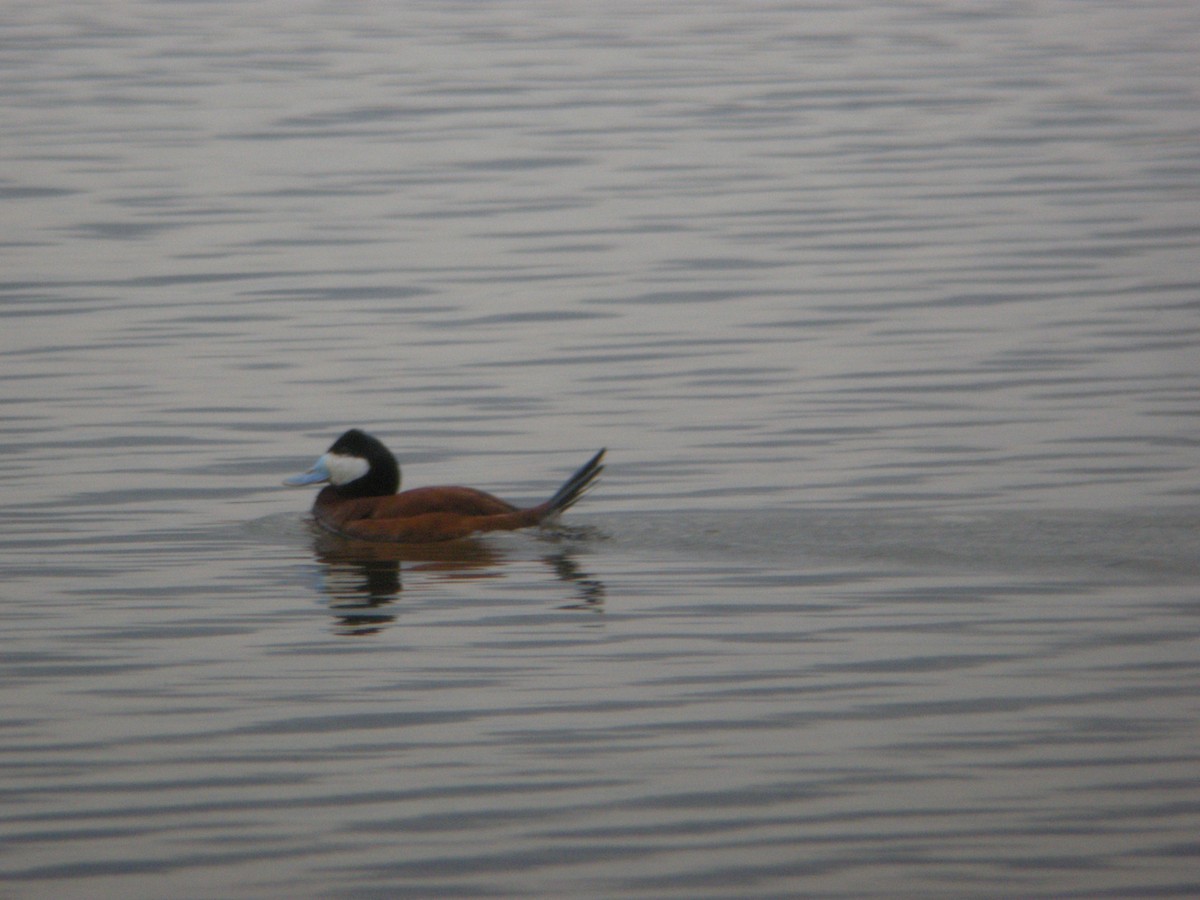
x=356 y=465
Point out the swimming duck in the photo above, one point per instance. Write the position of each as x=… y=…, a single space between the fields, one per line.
x=361 y=499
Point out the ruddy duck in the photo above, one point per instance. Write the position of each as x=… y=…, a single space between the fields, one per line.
x=361 y=499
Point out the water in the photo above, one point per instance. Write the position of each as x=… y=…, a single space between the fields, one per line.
x=887 y=314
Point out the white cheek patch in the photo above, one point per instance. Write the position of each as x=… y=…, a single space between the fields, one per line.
x=344 y=469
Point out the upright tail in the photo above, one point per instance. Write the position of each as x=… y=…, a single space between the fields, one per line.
x=575 y=487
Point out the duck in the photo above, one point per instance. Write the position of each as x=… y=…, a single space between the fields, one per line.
x=362 y=499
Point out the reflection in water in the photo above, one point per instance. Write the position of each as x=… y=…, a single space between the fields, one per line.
x=590 y=590
x=363 y=578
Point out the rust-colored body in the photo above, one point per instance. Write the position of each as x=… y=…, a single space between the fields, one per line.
x=422 y=515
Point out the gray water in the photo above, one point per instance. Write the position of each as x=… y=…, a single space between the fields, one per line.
x=887 y=313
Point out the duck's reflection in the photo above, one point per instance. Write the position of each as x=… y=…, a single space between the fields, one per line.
x=363 y=579
x=590 y=590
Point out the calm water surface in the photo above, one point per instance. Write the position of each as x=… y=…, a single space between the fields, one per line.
x=888 y=313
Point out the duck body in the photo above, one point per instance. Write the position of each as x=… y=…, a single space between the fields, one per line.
x=361 y=499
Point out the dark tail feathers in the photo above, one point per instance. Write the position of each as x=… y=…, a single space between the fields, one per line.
x=576 y=486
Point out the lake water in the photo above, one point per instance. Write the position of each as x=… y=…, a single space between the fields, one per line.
x=888 y=313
